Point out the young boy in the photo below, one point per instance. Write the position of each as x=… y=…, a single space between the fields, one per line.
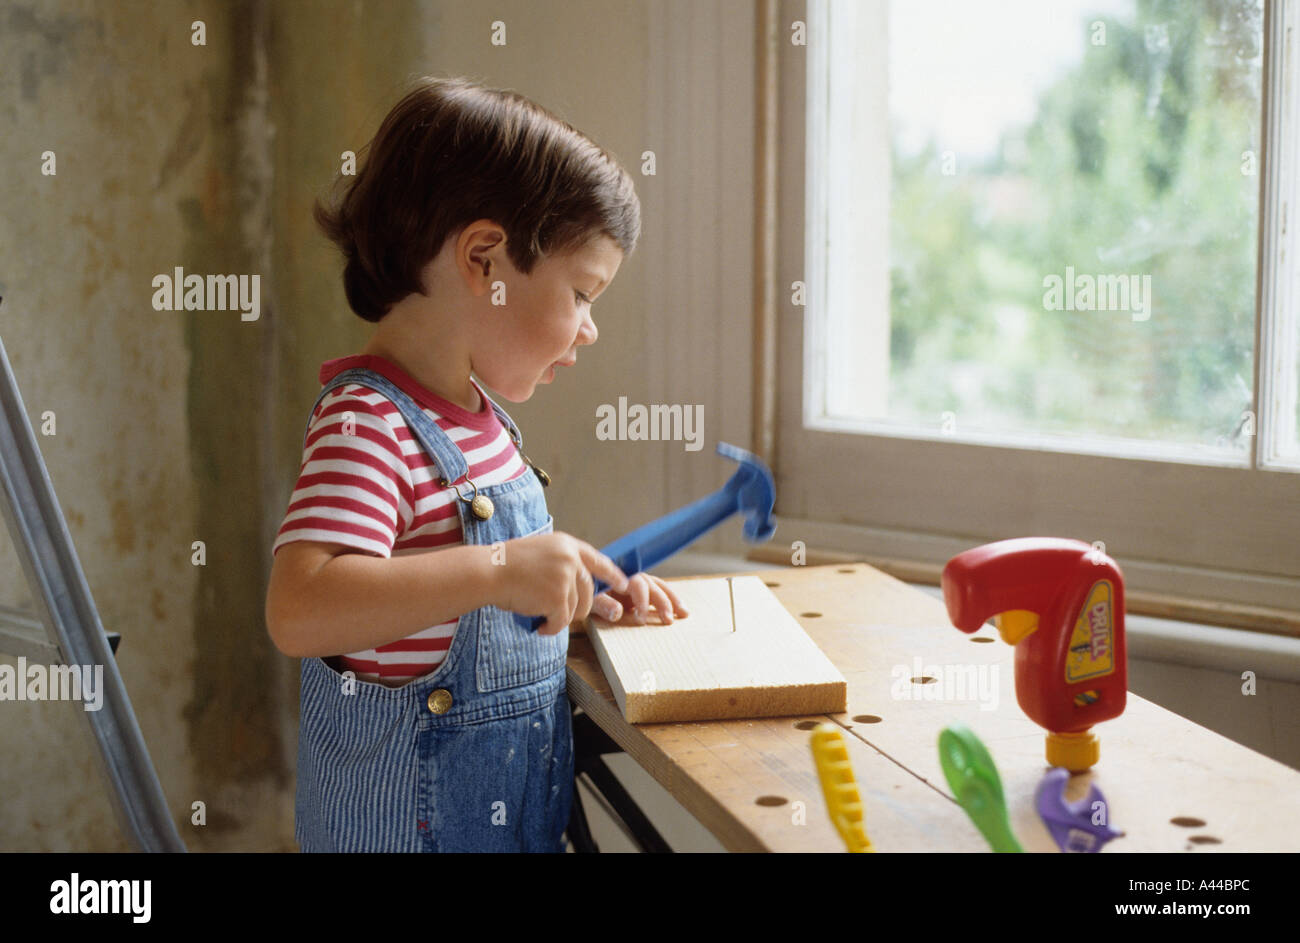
x=477 y=234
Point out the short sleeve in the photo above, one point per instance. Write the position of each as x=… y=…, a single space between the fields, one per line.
x=354 y=486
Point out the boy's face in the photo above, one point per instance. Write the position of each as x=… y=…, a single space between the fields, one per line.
x=546 y=318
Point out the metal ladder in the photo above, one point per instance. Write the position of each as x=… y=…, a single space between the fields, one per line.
x=66 y=629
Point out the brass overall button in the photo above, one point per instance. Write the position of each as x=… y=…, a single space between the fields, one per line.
x=440 y=701
x=482 y=507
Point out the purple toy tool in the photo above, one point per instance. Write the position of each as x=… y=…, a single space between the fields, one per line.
x=1074 y=825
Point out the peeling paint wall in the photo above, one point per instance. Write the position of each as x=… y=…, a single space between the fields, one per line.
x=77 y=253
x=235 y=746
x=181 y=426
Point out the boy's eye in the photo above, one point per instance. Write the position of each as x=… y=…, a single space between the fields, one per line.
x=582 y=299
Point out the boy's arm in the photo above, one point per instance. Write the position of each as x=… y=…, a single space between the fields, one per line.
x=324 y=600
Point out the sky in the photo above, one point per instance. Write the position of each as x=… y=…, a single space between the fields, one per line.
x=961 y=71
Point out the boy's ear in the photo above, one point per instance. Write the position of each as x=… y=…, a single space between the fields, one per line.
x=480 y=260
x=482 y=242
x=476 y=272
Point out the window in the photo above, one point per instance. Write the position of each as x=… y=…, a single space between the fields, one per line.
x=1047 y=285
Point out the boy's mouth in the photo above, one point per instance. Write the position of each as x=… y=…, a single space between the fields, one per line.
x=549 y=375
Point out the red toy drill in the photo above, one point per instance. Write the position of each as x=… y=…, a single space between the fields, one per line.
x=1061 y=604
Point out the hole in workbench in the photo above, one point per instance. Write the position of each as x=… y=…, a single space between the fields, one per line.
x=847 y=569
x=807 y=724
x=1186 y=821
x=924 y=679
x=866 y=719
x=982 y=638
x=1204 y=840
x=773 y=585
x=809 y=615
x=770 y=800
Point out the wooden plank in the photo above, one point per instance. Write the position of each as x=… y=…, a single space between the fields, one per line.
x=752 y=783
x=1157 y=768
x=700 y=667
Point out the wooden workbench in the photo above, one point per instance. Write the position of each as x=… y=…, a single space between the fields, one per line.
x=1171 y=785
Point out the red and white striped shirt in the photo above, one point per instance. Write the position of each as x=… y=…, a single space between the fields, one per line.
x=376 y=491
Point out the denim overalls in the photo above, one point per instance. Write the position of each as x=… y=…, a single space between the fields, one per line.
x=476 y=755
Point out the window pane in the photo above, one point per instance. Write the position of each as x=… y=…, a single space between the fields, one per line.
x=1072 y=220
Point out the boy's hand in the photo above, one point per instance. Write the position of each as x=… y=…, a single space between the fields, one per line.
x=551 y=575
x=643 y=590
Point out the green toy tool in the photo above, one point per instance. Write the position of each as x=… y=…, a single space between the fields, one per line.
x=974 y=781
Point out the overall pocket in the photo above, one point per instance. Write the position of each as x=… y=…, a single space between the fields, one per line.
x=358 y=765
x=509 y=655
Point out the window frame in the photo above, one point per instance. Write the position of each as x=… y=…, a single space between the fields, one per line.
x=910 y=502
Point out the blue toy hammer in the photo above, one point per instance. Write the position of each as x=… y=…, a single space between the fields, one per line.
x=750 y=490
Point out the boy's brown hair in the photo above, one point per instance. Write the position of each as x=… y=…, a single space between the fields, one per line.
x=453 y=151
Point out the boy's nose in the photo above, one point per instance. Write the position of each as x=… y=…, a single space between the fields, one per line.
x=587 y=334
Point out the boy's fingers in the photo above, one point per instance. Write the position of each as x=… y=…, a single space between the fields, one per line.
x=586 y=588
x=640 y=593
x=663 y=604
x=607 y=607
x=603 y=568
x=558 y=620
x=666 y=601
x=676 y=600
